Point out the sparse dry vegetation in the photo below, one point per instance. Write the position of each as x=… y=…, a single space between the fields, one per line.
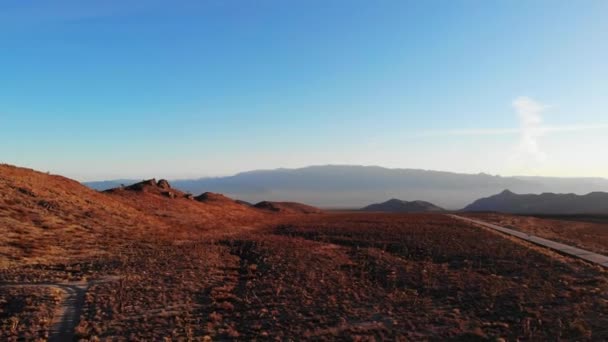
x=26 y=312
x=218 y=270
x=584 y=231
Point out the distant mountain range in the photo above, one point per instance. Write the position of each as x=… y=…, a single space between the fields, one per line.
x=345 y=186
x=398 y=206
x=546 y=203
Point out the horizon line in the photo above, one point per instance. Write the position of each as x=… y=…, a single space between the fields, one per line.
x=350 y=165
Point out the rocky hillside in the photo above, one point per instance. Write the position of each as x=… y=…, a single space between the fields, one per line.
x=47 y=218
x=184 y=212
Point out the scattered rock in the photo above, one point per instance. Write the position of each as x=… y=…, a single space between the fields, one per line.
x=48 y=205
x=151 y=182
x=141 y=186
x=169 y=194
x=27 y=192
x=163 y=184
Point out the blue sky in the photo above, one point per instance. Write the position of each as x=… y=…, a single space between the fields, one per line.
x=107 y=89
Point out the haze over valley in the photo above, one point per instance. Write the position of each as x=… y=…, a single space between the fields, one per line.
x=347 y=186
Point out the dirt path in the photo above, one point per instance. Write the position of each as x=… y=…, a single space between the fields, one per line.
x=579 y=253
x=66 y=316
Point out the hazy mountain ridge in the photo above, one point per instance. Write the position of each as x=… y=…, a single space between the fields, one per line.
x=546 y=203
x=350 y=186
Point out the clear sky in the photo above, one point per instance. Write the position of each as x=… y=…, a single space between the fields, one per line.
x=112 y=89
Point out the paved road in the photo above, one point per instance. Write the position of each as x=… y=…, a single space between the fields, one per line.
x=66 y=317
x=560 y=247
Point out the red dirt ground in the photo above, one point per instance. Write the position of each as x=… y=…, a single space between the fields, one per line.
x=190 y=270
x=591 y=234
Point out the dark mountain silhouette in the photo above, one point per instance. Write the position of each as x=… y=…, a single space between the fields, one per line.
x=244 y=203
x=343 y=186
x=398 y=206
x=213 y=197
x=546 y=203
x=162 y=187
x=288 y=207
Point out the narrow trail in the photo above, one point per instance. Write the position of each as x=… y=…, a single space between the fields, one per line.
x=575 y=252
x=67 y=314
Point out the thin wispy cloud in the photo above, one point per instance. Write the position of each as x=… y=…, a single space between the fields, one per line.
x=470 y=132
x=513 y=131
x=530 y=112
x=527 y=153
x=531 y=125
x=573 y=128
